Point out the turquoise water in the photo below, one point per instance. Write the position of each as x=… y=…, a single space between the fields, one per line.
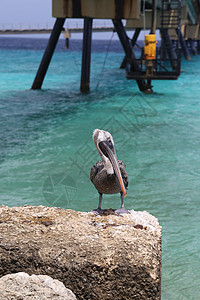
x=47 y=149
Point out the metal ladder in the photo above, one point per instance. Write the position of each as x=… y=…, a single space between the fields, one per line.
x=170 y=21
x=170 y=14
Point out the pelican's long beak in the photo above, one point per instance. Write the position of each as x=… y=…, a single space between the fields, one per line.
x=109 y=151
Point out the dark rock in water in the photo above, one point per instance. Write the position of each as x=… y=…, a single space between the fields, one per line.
x=107 y=256
x=38 y=287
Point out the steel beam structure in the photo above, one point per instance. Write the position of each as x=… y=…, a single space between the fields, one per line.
x=39 y=78
x=86 y=55
x=126 y=44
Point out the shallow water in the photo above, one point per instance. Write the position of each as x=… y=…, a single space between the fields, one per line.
x=47 y=150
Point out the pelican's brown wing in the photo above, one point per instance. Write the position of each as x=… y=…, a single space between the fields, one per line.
x=95 y=169
x=99 y=166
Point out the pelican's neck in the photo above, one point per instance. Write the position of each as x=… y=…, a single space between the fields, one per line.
x=107 y=165
x=106 y=162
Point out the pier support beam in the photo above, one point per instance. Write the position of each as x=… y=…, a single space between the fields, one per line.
x=192 y=46
x=86 y=55
x=170 y=49
x=58 y=26
x=198 y=45
x=142 y=84
x=183 y=44
x=133 y=42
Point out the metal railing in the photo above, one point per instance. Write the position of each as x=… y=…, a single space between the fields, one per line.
x=45 y=26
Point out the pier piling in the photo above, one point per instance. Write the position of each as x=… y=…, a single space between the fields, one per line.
x=192 y=46
x=133 y=42
x=183 y=45
x=170 y=49
x=142 y=84
x=39 y=78
x=86 y=55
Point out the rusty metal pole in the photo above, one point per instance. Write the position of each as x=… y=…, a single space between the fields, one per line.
x=153 y=17
x=150 y=64
x=86 y=55
x=58 y=26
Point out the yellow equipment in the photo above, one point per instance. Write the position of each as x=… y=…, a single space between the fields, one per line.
x=150 y=46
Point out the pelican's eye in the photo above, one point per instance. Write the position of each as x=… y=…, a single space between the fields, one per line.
x=110 y=144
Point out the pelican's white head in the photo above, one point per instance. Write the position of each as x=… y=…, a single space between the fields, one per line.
x=103 y=136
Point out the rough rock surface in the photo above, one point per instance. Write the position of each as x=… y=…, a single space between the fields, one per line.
x=38 y=287
x=96 y=256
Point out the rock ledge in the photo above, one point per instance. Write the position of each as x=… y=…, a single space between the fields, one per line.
x=97 y=257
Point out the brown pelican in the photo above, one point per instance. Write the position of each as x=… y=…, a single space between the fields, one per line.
x=108 y=175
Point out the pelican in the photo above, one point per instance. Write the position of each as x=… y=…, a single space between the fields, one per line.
x=109 y=174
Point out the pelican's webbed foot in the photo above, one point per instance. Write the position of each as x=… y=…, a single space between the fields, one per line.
x=122 y=210
x=98 y=211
